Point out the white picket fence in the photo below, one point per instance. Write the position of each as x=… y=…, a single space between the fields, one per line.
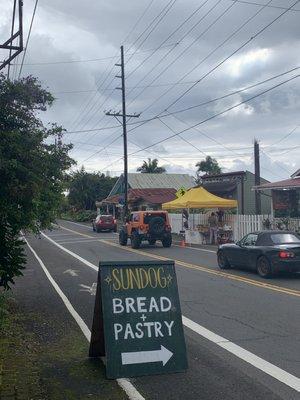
x=240 y=224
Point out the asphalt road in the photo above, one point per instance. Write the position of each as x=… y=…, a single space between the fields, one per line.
x=262 y=317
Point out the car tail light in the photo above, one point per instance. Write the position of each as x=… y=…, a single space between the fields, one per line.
x=286 y=254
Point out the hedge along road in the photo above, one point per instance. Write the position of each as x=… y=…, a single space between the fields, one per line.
x=261 y=321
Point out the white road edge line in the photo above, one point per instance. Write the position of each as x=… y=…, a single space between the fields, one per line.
x=270 y=369
x=125 y=384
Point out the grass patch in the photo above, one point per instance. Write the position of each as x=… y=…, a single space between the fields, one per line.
x=44 y=356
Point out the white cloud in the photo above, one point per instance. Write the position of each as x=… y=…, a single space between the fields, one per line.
x=97 y=29
x=258 y=58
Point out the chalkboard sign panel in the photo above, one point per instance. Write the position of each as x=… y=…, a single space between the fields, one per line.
x=143 y=331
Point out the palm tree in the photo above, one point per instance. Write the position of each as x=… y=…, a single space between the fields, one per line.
x=151 y=167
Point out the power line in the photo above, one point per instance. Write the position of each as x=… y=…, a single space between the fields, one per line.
x=92 y=59
x=129 y=87
x=276 y=162
x=194 y=106
x=11 y=34
x=103 y=148
x=191 y=44
x=205 y=58
x=173 y=32
x=182 y=138
x=210 y=118
x=284 y=137
x=234 y=52
x=28 y=37
x=139 y=20
x=104 y=101
x=259 y=4
x=231 y=93
x=160 y=17
x=222 y=112
x=84 y=107
x=162 y=57
x=288 y=151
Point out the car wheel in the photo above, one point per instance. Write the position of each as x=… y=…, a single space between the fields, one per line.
x=135 y=240
x=264 y=268
x=123 y=238
x=152 y=241
x=98 y=230
x=167 y=241
x=223 y=262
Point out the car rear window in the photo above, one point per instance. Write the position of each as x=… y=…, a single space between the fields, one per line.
x=149 y=216
x=106 y=218
x=282 y=238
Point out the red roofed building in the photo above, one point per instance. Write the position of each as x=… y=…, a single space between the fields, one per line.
x=145 y=191
x=285 y=196
x=142 y=199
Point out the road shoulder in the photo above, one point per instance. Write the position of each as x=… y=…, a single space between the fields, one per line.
x=43 y=353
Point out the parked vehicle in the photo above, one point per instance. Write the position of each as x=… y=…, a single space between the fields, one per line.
x=146 y=226
x=266 y=252
x=104 y=223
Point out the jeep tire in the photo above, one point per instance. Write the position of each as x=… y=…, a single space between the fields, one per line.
x=123 y=237
x=156 y=226
x=135 y=240
x=167 y=241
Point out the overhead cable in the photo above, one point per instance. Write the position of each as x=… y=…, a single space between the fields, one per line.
x=28 y=37
x=233 y=53
x=167 y=114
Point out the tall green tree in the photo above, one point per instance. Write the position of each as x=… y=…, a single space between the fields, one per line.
x=208 y=166
x=85 y=188
x=151 y=167
x=32 y=169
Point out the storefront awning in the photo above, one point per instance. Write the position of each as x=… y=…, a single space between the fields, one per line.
x=199 y=198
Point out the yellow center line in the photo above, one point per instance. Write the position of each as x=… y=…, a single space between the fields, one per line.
x=292 y=292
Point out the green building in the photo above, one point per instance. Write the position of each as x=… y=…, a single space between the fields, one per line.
x=238 y=186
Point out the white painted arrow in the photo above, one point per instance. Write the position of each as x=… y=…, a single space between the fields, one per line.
x=72 y=272
x=140 y=357
x=91 y=289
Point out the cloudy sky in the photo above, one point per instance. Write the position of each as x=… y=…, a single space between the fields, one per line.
x=178 y=54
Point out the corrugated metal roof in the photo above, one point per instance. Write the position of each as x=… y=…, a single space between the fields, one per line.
x=144 y=181
x=152 y=196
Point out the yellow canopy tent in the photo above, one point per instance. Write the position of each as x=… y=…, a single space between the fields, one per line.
x=199 y=198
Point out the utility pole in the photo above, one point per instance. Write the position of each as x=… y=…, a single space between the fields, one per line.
x=124 y=120
x=257 y=177
x=14 y=48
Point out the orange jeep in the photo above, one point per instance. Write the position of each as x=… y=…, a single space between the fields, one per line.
x=146 y=225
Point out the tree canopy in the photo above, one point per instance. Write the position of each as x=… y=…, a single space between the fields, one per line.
x=33 y=165
x=85 y=188
x=151 y=167
x=209 y=166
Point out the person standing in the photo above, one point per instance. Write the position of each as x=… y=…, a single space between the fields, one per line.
x=213 y=228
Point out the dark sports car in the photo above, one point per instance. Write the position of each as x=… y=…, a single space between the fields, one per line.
x=266 y=252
